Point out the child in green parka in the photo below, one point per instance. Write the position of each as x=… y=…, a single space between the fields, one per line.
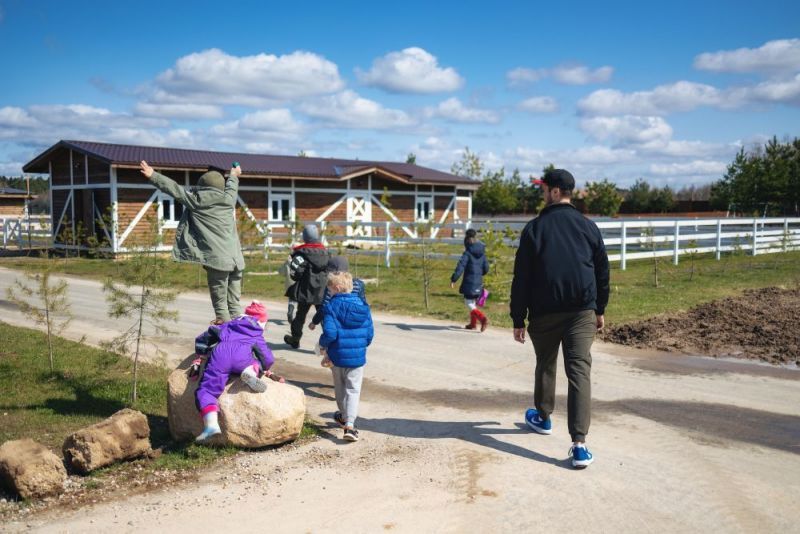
x=207 y=234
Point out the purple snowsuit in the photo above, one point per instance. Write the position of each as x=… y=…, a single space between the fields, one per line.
x=239 y=339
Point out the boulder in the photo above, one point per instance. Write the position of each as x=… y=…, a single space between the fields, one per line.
x=123 y=436
x=31 y=469
x=247 y=419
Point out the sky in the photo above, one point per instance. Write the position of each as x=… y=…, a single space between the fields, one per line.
x=666 y=91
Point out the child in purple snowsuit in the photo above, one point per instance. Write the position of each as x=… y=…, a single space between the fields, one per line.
x=241 y=350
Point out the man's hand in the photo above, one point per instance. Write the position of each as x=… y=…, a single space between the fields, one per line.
x=236 y=171
x=147 y=170
x=311 y=326
x=452 y=285
x=601 y=322
x=519 y=335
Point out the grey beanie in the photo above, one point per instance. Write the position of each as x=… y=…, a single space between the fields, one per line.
x=338 y=264
x=212 y=179
x=311 y=233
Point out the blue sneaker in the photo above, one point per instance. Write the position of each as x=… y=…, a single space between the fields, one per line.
x=581 y=457
x=536 y=423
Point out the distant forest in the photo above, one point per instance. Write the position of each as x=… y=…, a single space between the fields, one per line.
x=38 y=185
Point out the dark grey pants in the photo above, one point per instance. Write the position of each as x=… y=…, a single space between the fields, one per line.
x=574 y=331
x=225 y=288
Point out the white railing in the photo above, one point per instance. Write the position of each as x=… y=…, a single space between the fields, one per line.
x=28 y=231
x=625 y=239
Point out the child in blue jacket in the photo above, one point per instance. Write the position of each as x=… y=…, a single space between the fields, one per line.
x=346 y=333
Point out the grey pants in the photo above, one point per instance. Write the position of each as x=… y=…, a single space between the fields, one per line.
x=574 y=331
x=347 y=385
x=225 y=288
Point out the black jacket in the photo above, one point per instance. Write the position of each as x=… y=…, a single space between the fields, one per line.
x=561 y=265
x=473 y=264
x=309 y=270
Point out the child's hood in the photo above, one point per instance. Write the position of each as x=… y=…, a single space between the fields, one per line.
x=349 y=310
x=241 y=327
x=476 y=249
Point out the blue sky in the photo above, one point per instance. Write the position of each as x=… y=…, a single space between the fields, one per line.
x=620 y=90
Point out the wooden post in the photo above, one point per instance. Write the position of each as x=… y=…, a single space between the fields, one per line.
x=676 y=247
x=387 y=244
x=623 y=243
x=755 y=236
x=719 y=238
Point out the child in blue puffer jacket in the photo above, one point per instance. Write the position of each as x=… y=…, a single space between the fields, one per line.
x=346 y=333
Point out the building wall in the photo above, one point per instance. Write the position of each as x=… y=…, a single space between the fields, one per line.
x=12 y=207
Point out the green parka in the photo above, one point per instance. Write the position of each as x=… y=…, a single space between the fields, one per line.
x=206 y=233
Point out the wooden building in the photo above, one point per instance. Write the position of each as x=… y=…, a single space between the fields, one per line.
x=13 y=202
x=97 y=187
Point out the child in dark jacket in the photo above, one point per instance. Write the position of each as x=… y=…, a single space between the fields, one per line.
x=473 y=265
x=241 y=350
x=337 y=264
x=347 y=331
x=308 y=269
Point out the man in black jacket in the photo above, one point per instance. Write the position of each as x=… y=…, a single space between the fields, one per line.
x=561 y=286
x=309 y=269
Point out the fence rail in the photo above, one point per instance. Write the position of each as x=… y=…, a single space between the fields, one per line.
x=625 y=239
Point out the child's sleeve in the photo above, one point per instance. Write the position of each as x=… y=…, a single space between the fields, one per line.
x=485 y=266
x=330 y=332
x=264 y=354
x=462 y=264
x=360 y=290
x=370 y=330
x=171 y=187
x=319 y=312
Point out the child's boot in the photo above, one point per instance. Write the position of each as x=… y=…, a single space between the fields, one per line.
x=473 y=320
x=483 y=319
x=210 y=427
x=250 y=377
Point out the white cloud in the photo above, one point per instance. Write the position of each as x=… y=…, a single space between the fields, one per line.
x=14 y=117
x=453 y=110
x=261 y=127
x=11 y=168
x=567 y=74
x=696 y=168
x=349 y=110
x=627 y=129
x=179 y=111
x=778 y=56
x=412 y=70
x=539 y=104
x=664 y=99
x=214 y=77
x=781 y=91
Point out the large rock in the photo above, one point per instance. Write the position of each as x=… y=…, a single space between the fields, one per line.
x=123 y=436
x=247 y=419
x=31 y=469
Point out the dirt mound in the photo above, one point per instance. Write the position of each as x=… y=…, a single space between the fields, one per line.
x=760 y=324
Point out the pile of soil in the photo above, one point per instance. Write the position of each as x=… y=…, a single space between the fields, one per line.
x=760 y=324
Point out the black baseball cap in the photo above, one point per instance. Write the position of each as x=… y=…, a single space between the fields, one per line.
x=559 y=178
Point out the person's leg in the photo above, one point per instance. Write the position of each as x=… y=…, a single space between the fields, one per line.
x=578 y=337
x=353 y=377
x=234 y=293
x=299 y=320
x=338 y=387
x=545 y=332
x=473 y=317
x=218 y=289
x=206 y=398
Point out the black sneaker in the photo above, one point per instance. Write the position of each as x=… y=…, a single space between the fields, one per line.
x=350 y=434
x=292 y=342
x=339 y=419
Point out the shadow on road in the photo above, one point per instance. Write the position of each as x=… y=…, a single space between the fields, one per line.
x=410 y=327
x=476 y=432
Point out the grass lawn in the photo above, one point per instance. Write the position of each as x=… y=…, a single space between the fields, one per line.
x=88 y=385
x=399 y=289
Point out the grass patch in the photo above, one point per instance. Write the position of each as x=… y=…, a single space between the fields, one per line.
x=399 y=289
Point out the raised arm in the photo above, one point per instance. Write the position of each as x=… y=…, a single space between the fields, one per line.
x=232 y=185
x=167 y=185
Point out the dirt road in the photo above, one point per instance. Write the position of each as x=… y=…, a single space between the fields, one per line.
x=681 y=444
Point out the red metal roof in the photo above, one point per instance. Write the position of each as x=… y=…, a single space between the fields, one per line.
x=252 y=164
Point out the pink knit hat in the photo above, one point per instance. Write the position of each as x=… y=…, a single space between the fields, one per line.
x=257 y=310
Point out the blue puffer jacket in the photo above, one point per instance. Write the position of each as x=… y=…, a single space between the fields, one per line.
x=473 y=264
x=347 y=330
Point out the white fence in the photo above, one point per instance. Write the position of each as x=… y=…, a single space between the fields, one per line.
x=625 y=239
x=25 y=232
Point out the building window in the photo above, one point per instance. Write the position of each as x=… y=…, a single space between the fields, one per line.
x=424 y=212
x=169 y=211
x=280 y=208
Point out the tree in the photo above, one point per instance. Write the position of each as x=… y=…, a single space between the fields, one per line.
x=639 y=196
x=529 y=196
x=411 y=158
x=661 y=200
x=469 y=166
x=142 y=294
x=386 y=198
x=302 y=154
x=602 y=198
x=496 y=194
x=54 y=309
